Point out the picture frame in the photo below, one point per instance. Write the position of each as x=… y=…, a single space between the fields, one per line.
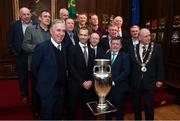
x=35 y=6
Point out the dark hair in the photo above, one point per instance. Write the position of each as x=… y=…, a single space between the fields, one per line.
x=43 y=11
x=85 y=28
x=116 y=38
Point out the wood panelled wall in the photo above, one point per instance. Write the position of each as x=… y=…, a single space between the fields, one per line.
x=100 y=7
x=150 y=9
x=155 y=9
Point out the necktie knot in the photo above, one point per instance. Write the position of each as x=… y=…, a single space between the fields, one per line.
x=113 y=57
x=59 y=47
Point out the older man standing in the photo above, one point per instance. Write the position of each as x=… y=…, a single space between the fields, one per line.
x=147 y=74
x=15 y=40
x=63 y=14
x=50 y=70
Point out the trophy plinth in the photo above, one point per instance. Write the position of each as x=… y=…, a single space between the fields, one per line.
x=103 y=84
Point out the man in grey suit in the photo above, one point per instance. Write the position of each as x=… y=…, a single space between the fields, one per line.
x=33 y=36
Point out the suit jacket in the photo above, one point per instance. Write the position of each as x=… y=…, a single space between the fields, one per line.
x=15 y=37
x=155 y=69
x=68 y=40
x=120 y=70
x=44 y=67
x=78 y=71
x=129 y=45
x=104 y=43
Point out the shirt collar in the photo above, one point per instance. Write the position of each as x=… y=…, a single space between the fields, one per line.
x=141 y=45
x=54 y=43
x=93 y=47
x=82 y=45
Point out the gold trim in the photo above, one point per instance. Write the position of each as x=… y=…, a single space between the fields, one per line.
x=16 y=9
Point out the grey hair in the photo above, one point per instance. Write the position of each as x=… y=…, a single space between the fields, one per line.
x=56 y=21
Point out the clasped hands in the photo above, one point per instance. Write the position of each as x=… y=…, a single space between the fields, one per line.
x=87 y=84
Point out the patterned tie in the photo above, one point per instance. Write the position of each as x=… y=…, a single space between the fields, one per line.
x=144 y=52
x=85 y=55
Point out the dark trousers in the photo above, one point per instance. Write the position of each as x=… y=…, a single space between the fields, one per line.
x=36 y=105
x=52 y=105
x=22 y=70
x=148 y=103
x=117 y=99
x=76 y=97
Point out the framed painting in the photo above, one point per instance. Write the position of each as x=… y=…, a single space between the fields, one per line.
x=35 y=6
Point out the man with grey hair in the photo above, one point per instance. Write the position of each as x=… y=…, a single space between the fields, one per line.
x=134 y=40
x=147 y=74
x=15 y=39
x=49 y=66
x=63 y=14
x=118 y=21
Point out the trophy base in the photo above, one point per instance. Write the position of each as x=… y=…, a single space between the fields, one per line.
x=93 y=106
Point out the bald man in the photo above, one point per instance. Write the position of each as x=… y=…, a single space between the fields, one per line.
x=147 y=74
x=63 y=14
x=98 y=51
x=15 y=39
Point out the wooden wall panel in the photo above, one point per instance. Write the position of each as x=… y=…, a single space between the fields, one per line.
x=7 y=66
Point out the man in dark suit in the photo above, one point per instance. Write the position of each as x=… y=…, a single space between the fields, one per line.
x=82 y=22
x=120 y=68
x=80 y=64
x=98 y=51
x=70 y=38
x=106 y=40
x=134 y=40
x=118 y=21
x=15 y=40
x=147 y=74
x=50 y=70
x=34 y=35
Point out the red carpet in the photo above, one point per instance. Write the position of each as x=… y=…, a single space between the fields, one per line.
x=11 y=106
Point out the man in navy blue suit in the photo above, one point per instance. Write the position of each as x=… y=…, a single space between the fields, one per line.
x=50 y=70
x=120 y=67
x=15 y=40
x=147 y=74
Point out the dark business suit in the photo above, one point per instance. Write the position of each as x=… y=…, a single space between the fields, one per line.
x=99 y=54
x=120 y=70
x=49 y=68
x=104 y=43
x=15 y=40
x=78 y=73
x=33 y=36
x=68 y=40
x=144 y=83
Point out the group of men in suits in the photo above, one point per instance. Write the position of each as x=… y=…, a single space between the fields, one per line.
x=63 y=58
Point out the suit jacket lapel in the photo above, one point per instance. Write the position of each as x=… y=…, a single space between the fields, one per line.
x=20 y=29
x=137 y=52
x=81 y=54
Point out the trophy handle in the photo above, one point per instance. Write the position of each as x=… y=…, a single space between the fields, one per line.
x=109 y=68
x=94 y=68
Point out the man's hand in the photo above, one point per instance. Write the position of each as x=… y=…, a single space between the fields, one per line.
x=87 y=84
x=159 y=84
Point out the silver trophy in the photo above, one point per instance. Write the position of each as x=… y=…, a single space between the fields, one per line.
x=103 y=83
